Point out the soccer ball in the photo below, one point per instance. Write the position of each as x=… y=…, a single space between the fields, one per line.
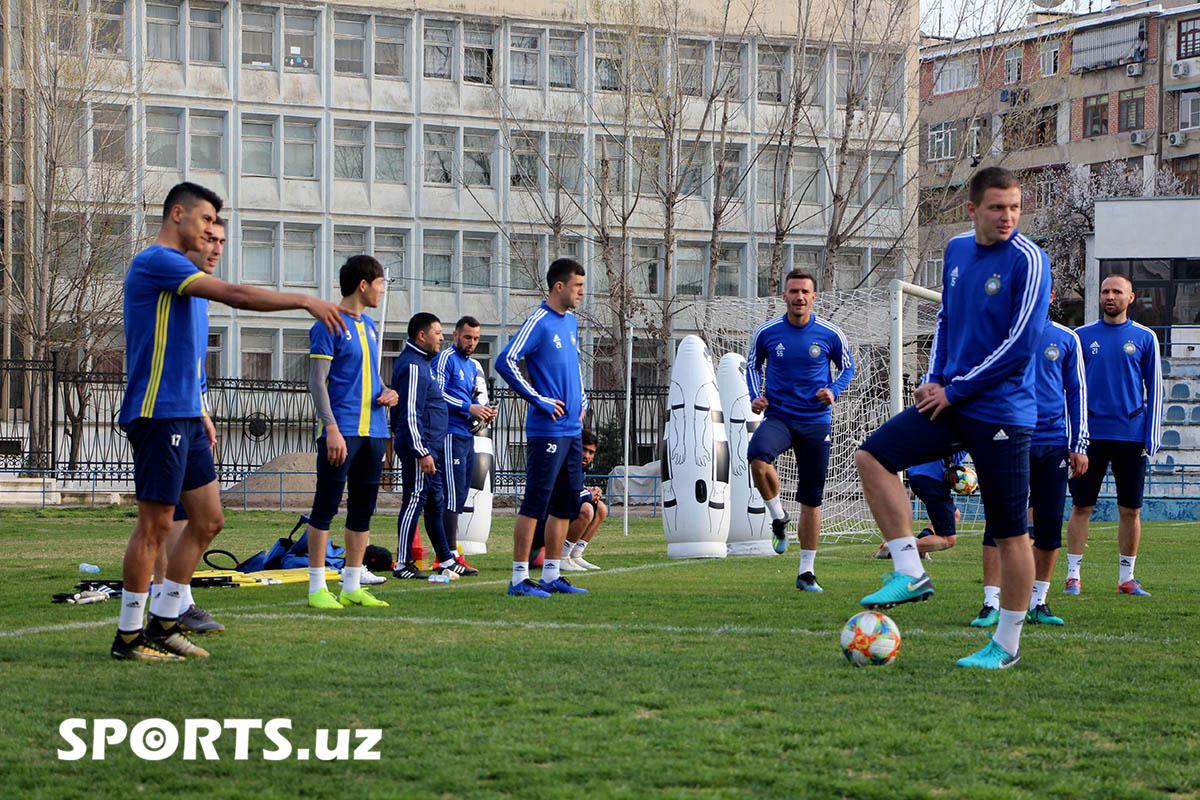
x=963 y=479
x=870 y=639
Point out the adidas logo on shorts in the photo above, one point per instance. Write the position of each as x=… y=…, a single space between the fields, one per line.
x=1000 y=436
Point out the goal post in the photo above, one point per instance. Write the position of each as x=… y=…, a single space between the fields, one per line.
x=901 y=292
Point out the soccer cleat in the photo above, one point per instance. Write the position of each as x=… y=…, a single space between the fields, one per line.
x=368 y=578
x=899 y=588
x=458 y=568
x=526 y=588
x=408 y=572
x=196 y=620
x=584 y=563
x=324 y=599
x=991 y=656
x=560 y=586
x=361 y=597
x=463 y=561
x=987 y=617
x=1042 y=615
x=1132 y=587
x=136 y=647
x=1072 y=586
x=568 y=565
x=169 y=636
x=807 y=582
x=779 y=537
x=882 y=554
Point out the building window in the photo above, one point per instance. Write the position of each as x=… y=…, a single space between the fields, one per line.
x=806 y=177
x=565 y=165
x=763 y=268
x=1188 y=170
x=477 y=261
x=564 y=57
x=847 y=271
x=258 y=147
x=350 y=45
x=1189 y=110
x=163 y=137
x=1189 y=38
x=439 y=156
x=955 y=75
x=207 y=34
x=880 y=189
x=479 y=53
x=213 y=355
x=108 y=26
x=390 y=37
x=887 y=81
x=162 y=31
x=941 y=142
x=439 y=50
x=690 y=267
x=1048 y=59
x=300 y=40
x=347 y=243
x=524 y=57
x=477 y=158
x=258 y=254
x=390 y=250
x=610 y=64
x=1095 y=115
x=258 y=353
x=1109 y=45
x=525 y=161
x=437 y=258
x=1131 y=110
x=295 y=356
x=110 y=131
x=852 y=71
x=771 y=64
x=691 y=58
x=729 y=271
x=1045 y=126
x=646 y=266
x=349 y=150
x=731 y=175
x=931 y=271
x=975 y=136
x=391 y=153
x=812 y=83
x=729 y=70
x=299 y=255
x=1012 y=65
x=525 y=271
x=610 y=166
x=258 y=37
x=691 y=172
x=208 y=140
x=647 y=67
x=299 y=148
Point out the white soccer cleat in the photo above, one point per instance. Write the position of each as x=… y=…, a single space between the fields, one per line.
x=570 y=565
x=367 y=578
x=581 y=562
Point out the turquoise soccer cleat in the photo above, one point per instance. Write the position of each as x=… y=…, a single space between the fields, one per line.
x=1042 y=615
x=992 y=656
x=899 y=588
x=987 y=617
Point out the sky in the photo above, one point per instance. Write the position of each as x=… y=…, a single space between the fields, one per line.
x=965 y=18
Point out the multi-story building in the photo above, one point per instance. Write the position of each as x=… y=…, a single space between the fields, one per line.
x=439 y=140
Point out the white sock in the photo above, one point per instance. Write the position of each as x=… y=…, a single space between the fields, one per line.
x=550 y=569
x=905 y=558
x=351 y=579
x=577 y=550
x=775 y=508
x=166 y=605
x=1074 y=562
x=1126 y=564
x=1008 y=631
x=807 y=559
x=1040 y=588
x=449 y=562
x=186 y=601
x=133 y=609
x=520 y=571
x=991 y=596
x=316 y=579
x=566 y=551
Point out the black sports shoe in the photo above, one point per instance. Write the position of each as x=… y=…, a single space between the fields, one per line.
x=168 y=635
x=779 y=539
x=459 y=568
x=807 y=582
x=136 y=647
x=408 y=571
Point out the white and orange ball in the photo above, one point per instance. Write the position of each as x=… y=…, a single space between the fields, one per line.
x=870 y=638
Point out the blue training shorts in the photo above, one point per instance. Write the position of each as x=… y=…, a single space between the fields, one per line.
x=458 y=455
x=1128 y=460
x=170 y=456
x=553 y=477
x=810 y=443
x=1049 y=466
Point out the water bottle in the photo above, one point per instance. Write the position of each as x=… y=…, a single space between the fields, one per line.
x=439 y=578
x=90 y=569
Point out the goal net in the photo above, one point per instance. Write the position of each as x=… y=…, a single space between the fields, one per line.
x=890 y=330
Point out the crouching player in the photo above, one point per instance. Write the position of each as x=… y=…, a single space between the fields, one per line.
x=931 y=483
x=350 y=397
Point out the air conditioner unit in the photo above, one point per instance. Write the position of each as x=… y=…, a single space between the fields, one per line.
x=1005 y=94
x=1177 y=139
x=1133 y=70
x=1139 y=137
x=1180 y=69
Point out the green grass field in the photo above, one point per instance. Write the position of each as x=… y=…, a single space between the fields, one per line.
x=671 y=679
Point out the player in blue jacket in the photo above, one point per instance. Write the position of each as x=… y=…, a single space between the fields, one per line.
x=419 y=429
x=548 y=345
x=1125 y=392
x=796 y=394
x=465 y=392
x=979 y=397
x=932 y=483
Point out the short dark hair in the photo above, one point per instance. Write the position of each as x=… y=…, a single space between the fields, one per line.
x=561 y=270
x=800 y=275
x=466 y=322
x=990 y=178
x=420 y=321
x=588 y=438
x=1120 y=275
x=187 y=194
x=357 y=269
x=220 y=221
